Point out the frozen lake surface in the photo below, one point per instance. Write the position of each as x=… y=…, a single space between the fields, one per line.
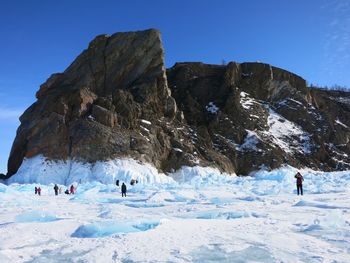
x=193 y=218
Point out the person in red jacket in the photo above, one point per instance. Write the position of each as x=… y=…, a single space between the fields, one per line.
x=39 y=190
x=72 y=190
x=300 y=180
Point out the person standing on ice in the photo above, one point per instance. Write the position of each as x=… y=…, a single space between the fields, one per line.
x=300 y=180
x=123 y=190
x=39 y=190
x=72 y=190
x=36 y=190
x=56 y=189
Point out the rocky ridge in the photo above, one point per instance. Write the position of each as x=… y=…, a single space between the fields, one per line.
x=117 y=100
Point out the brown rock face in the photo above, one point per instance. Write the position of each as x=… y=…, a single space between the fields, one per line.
x=114 y=101
x=93 y=110
x=264 y=117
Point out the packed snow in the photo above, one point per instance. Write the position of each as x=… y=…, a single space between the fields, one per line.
x=195 y=214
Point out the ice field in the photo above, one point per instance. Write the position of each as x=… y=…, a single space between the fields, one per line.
x=193 y=215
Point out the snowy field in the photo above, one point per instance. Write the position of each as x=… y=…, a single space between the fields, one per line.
x=197 y=215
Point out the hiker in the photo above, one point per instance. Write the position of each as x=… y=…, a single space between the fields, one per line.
x=300 y=180
x=36 y=190
x=117 y=182
x=134 y=181
x=56 y=189
x=66 y=192
x=39 y=190
x=123 y=190
x=72 y=190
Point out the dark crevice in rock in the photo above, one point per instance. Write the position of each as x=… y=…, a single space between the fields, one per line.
x=105 y=69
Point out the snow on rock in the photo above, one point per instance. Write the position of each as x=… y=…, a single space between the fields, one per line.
x=145 y=129
x=146 y=122
x=246 y=101
x=291 y=104
x=177 y=150
x=91 y=118
x=249 y=74
x=212 y=108
x=344 y=100
x=287 y=134
x=337 y=121
x=250 y=142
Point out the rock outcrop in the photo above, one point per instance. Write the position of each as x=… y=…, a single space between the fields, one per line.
x=118 y=100
x=94 y=109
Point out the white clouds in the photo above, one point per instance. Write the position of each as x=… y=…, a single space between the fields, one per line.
x=10 y=114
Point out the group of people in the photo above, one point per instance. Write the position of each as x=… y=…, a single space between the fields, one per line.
x=37 y=190
x=58 y=190
x=71 y=190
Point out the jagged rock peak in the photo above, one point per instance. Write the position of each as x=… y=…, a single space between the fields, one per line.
x=92 y=110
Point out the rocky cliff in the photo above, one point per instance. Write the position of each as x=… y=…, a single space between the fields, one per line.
x=118 y=100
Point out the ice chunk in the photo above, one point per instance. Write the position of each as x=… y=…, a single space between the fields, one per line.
x=108 y=228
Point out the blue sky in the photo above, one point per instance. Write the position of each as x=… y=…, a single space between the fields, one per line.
x=38 y=38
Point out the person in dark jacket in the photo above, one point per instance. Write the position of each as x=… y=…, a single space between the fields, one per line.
x=300 y=180
x=123 y=190
x=117 y=182
x=36 y=190
x=56 y=189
